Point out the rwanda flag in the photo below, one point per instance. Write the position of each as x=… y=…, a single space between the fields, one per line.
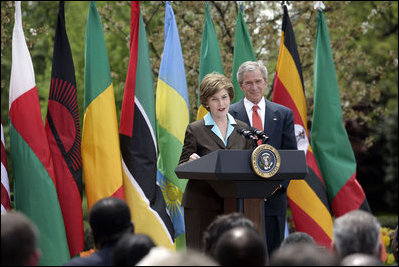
x=34 y=179
x=172 y=115
x=307 y=198
x=138 y=141
x=101 y=156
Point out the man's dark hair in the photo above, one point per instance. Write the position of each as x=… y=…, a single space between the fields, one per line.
x=221 y=224
x=298 y=237
x=241 y=246
x=19 y=238
x=131 y=248
x=109 y=219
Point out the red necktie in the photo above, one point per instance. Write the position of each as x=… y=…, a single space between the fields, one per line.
x=257 y=121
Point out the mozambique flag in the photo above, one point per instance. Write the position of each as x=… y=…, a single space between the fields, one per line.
x=5 y=185
x=102 y=165
x=138 y=141
x=172 y=118
x=330 y=141
x=34 y=179
x=243 y=51
x=210 y=59
x=63 y=133
x=307 y=198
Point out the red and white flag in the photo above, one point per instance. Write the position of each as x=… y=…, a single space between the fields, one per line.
x=5 y=186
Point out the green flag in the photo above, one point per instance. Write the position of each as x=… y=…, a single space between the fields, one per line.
x=210 y=59
x=330 y=142
x=243 y=51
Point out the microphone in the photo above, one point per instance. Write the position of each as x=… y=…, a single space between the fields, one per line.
x=260 y=134
x=247 y=134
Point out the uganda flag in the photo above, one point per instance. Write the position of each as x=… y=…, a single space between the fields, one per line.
x=63 y=133
x=138 y=141
x=35 y=192
x=330 y=141
x=307 y=198
x=101 y=156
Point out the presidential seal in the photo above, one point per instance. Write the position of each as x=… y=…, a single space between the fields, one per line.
x=265 y=161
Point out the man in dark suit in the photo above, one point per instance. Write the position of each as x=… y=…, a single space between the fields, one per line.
x=109 y=220
x=277 y=122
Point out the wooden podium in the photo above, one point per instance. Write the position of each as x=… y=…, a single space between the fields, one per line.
x=230 y=174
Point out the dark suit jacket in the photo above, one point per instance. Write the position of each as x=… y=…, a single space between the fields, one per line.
x=102 y=257
x=279 y=127
x=201 y=140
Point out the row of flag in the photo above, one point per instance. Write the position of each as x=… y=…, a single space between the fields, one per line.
x=137 y=162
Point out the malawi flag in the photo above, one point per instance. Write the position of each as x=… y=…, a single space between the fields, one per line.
x=101 y=156
x=210 y=59
x=243 y=51
x=138 y=141
x=5 y=185
x=307 y=198
x=330 y=141
x=172 y=118
x=63 y=133
x=35 y=185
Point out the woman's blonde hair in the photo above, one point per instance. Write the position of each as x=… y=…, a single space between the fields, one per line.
x=213 y=83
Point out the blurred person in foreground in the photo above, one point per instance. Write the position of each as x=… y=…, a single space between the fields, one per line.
x=357 y=231
x=109 y=220
x=241 y=246
x=360 y=259
x=217 y=130
x=19 y=240
x=131 y=248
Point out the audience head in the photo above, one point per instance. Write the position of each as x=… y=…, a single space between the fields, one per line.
x=131 y=248
x=221 y=224
x=303 y=254
x=212 y=84
x=298 y=238
x=241 y=246
x=356 y=232
x=160 y=256
x=394 y=244
x=360 y=259
x=19 y=240
x=109 y=219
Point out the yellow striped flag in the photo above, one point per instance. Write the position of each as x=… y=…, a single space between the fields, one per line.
x=172 y=116
x=101 y=157
x=307 y=198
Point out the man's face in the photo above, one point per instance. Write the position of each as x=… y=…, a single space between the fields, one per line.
x=253 y=85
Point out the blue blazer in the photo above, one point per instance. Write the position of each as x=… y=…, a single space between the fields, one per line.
x=279 y=123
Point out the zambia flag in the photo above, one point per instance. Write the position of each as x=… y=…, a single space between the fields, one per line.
x=34 y=179
x=63 y=133
x=330 y=141
x=101 y=156
x=138 y=141
x=307 y=198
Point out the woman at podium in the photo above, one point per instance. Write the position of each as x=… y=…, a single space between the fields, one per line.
x=217 y=130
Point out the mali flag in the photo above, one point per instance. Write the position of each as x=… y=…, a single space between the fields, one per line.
x=102 y=165
x=330 y=141
x=63 y=133
x=210 y=59
x=138 y=141
x=243 y=51
x=307 y=198
x=172 y=117
x=34 y=179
